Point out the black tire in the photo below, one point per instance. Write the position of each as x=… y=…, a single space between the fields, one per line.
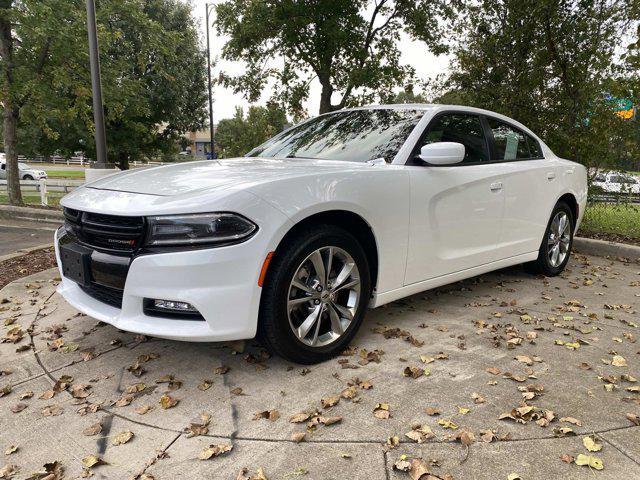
x=274 y=329
x=27 y=177
x=543 y=263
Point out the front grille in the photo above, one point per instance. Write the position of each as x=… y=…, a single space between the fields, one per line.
x=113 y=233
x=110 y=296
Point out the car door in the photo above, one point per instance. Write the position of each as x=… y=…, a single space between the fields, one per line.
x=531 y=186
x=456 y=210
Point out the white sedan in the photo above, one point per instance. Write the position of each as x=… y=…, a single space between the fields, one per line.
x=292 y=243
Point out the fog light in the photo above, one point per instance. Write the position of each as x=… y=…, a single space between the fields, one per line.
x=174 y=306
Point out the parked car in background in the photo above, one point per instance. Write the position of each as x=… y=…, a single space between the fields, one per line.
x=617 y=182
x=349 y=210
x=25 y=171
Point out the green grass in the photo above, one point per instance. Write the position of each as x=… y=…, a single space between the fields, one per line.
x=33 y=198
x=65 y=173
x=621 y=219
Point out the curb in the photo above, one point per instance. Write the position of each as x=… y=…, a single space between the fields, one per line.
x=24 y=251
x=28 y=213
x=602 y=248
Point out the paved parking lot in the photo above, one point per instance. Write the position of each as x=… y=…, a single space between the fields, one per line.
x=501 y=376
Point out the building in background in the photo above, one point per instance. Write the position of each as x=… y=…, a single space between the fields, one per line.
x=199 y=143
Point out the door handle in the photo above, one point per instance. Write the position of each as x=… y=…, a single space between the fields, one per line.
x=496 y=186
x=551 y=175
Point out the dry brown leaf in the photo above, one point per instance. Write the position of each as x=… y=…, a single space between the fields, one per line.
x=122 y=437
x=92 y=430
x=213 y=451
x=167 y=401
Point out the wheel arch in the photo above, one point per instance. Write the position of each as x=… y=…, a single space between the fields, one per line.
x=349 y=221
x=571 y=200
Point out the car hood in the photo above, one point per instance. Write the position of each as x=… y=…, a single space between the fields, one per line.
x=182 y=178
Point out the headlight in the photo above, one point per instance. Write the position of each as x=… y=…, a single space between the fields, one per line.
x=198 y=229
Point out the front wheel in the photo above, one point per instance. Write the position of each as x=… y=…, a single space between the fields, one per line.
x=315 y=295
x=27 y=177
x=555 y=250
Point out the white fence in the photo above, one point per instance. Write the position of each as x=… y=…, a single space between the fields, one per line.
x=45 y=187
x=80 y=161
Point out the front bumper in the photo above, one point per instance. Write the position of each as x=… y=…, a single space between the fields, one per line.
x=222 y=283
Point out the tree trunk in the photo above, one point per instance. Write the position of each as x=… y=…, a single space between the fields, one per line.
x=325 y=98
x=13 y=175
x=123 y=161
x=10 y=113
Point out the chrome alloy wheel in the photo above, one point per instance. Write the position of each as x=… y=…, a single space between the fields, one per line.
x=324 y=296
x=559 y=239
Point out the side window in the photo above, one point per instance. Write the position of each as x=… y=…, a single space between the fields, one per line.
x=510 y=143
x=2 y=166
x=534 y=147
x=461 y=128
x=601 y=177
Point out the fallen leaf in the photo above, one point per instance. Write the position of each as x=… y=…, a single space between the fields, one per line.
x=618 y=361
x=382 y=411
x=214 y=451
x=590 y=444
x=122 y=437
x=91 y=461
x=92 y=430
x=298 y=436
x=167 y=401
x=591 y=461
x=10 y=449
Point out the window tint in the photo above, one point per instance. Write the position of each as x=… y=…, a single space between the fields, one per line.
x=510 y=143
x=355 y=135
x=464 y=129
x=534 y=147
x=601 y=177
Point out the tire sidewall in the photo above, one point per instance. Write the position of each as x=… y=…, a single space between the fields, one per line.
x=289 y=261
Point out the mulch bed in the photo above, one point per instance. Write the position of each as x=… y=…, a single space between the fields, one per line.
x=27 y=264
x=610 y=237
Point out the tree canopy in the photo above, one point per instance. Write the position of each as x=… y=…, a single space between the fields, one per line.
x=236 y=136
x=153 y=76
x=349 y=46
x=554 y=66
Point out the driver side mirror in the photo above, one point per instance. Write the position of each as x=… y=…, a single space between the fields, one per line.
x=442 y=153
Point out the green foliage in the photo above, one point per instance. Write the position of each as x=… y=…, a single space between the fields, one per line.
x=349 y=46
x=153 y=76
x=236 y=136
x=551 y=64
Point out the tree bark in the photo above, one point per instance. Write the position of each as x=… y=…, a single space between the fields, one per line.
x=10 y=113
x=13 y=175
x=325 y=98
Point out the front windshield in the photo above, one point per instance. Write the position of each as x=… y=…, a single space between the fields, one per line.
x=23 y=166
x=356 y=136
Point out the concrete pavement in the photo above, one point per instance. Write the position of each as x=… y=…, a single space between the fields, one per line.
x=566 y=346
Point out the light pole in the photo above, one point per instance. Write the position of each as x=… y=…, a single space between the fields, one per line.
x=209 y=7
x=96 y=88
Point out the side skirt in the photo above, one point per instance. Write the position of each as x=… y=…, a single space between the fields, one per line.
x=392 y=295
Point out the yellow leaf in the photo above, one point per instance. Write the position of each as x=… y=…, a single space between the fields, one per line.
x=591 y=461
x=463 y=410
x=590 y=444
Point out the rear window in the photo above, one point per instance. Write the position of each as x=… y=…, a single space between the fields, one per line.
x=512 y=143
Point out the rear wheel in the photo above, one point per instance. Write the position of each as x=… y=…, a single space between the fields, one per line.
x=315 y=295
x=555 y=250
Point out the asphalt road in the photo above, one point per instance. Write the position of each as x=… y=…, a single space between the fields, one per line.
x=16 y=235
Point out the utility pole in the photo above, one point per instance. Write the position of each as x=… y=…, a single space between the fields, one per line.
x=209 y=7
x=96 y=88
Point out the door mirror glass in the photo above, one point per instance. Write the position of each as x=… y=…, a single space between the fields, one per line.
x=442 y=153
